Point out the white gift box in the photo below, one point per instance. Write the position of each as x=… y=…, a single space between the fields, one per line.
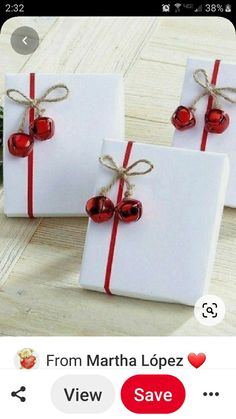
x=195 y=138
x=168 y=254
x=64 y=166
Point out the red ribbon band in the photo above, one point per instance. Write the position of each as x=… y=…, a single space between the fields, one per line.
x=30 y=182
x=210 y=103
x=116 y=223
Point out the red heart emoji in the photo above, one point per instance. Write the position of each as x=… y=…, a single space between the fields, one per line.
x=28 y=363
x=196 y=360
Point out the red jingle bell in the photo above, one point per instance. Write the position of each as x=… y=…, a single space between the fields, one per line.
x=216 y=121
x=43 y=128
x=183 y=118
x=20 y=144
x=100 y=208
x=129 y=210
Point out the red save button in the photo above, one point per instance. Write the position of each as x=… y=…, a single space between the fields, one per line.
x=153 y=393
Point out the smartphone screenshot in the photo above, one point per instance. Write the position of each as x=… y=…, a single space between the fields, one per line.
x=118 y=212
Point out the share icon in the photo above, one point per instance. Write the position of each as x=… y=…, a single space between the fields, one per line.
x=16 y=394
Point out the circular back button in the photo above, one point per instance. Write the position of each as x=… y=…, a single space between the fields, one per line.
x=24 y=40
x=154 y=393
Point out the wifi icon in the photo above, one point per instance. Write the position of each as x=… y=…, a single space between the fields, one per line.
x=177 y=7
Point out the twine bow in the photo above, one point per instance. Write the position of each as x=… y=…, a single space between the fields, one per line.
x=19 y=97
x=123 y=173
x=227 y=93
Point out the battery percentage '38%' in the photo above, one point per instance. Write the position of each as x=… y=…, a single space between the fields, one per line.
x=213 y=8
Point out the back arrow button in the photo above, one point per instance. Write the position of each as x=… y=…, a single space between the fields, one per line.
x=24 y=40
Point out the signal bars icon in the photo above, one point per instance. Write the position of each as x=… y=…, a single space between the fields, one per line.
x=198 y=9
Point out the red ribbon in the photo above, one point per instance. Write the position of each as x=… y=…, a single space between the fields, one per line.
x=210 y=103
x=30 y=181
x=116 y=223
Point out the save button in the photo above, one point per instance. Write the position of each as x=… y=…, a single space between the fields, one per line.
x=153 y=393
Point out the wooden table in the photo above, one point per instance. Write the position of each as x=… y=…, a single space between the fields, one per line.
x=40 y=259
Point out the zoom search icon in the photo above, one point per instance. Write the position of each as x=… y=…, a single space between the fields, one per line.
x=209 y=310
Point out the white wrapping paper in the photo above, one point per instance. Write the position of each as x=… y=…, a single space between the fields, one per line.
x=219 y=143
x=168 y=254
x=64 y=166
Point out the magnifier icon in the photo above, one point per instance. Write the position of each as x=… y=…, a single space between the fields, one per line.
x=210 y=310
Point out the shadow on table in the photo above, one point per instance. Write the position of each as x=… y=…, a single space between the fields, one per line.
x=133 y=317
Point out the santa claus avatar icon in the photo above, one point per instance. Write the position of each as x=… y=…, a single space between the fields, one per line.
x=27 y=359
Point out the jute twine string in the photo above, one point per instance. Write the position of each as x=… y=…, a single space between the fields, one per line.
x=123 y=173
x=227 y=93
x=19 y=97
